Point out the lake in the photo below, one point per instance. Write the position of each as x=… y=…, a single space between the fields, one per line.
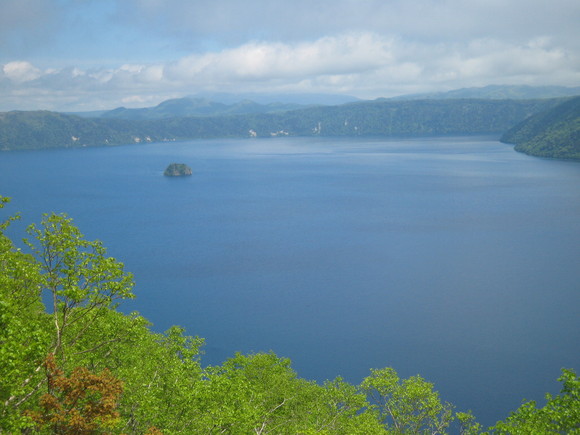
x=454 y=258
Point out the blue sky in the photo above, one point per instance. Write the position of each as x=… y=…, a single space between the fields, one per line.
x=73 y=55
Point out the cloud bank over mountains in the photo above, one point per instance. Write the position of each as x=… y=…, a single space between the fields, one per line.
x=89 y=54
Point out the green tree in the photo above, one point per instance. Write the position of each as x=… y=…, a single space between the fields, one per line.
x=165 y=387
x=346 y=410
x=160 y=371
x=162 y=375
x=84 y=329
x=80 y=279
x=23 y=329
x=261 y=394
x=82 y=283
x=468 y=424
x=408 y=406
x=561 y=414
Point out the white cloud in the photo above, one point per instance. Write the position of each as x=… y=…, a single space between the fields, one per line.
x=21 y=71
x=266 y=61
x=364 y=64
x=60 y=54
x=489 y=59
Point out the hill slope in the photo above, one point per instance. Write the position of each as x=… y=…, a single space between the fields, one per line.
x=35 y=130
x=44 y=129
x=553 y=133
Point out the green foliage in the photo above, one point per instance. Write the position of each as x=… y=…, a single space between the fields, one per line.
x=552 y=133
x=80 y=281
x=468 y=424
x=561 y=414
x=23 y=331
x=261 y=394
x=409 y=405
x=165 y=389
x=78 y=276
x=162 y=374
x=41 y=129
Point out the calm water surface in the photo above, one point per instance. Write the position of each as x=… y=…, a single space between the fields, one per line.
x=454 y=258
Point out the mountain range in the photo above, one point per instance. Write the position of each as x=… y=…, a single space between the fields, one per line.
x=192 y=106
x=197 y=117
x=217 y=104
x=498 y=92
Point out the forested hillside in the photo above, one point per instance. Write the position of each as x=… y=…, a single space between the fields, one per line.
x=43 y=129
x=36 y=130
x=421 y=117
x=78 y=365
x=552 y=133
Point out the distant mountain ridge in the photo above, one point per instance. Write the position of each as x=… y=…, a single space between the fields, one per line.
x=498 y=92
x=41 y=129
x=192 y=106
x=301 y=99
x=217 y=104
x=542 y=126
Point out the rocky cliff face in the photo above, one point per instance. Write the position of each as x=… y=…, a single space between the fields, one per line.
x=177 y=170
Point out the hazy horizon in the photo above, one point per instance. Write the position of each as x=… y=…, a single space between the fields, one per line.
x=73 y=55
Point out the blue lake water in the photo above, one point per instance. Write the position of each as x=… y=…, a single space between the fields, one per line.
x=454 y=258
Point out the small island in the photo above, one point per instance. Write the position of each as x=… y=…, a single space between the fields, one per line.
x=177 y=170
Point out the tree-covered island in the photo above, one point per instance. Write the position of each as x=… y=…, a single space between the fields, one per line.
x=177 y=170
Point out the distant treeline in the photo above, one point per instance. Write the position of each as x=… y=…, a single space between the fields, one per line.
x=42 y=129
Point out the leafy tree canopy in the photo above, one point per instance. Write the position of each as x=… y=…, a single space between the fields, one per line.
x=81 y=366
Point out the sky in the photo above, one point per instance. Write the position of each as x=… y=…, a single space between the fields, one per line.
x=81 y=55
